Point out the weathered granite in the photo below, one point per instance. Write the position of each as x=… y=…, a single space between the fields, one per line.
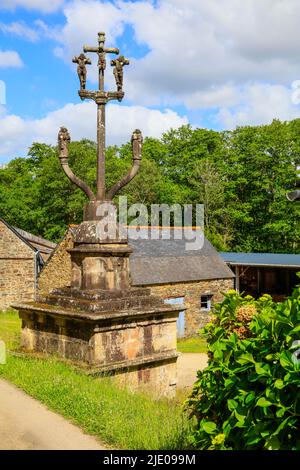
x=101 y=320
x=129 y=332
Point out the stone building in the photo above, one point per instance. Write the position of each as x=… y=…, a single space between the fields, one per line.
x=197 y=278
x=22 y=256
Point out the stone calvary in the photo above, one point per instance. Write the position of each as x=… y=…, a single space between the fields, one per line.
x=101 y=321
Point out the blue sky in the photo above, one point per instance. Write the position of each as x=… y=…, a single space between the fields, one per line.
x=191 y=61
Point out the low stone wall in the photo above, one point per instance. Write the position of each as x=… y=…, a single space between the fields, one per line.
x=195 y=318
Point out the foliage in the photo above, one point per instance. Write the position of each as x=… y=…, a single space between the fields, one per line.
x=116 y=416
x=249 y=395
x=260 y=165
x=240 y=176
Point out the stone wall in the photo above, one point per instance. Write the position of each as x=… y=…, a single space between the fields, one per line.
x=195 y=318
x=16 y=269
x=57 y=271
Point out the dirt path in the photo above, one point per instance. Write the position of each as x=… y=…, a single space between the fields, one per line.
x=26 y=424
x=188 y=364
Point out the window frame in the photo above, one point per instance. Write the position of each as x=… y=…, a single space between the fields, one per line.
x=208 y=302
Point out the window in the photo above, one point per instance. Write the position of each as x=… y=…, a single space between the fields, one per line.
x=205 y=302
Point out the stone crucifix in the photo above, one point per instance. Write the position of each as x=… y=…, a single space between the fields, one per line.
x=82 y=61
x=101 y=98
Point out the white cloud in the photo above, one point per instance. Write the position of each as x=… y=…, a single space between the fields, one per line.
x=259 y=104
x=20 y=29
x=44 y=6
x=84 y=19
x=235 y=58
x=200 y=51
x=17 y=134
x=214 y=96
x=10 y=59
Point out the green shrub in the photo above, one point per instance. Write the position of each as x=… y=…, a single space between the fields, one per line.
x=249 y=395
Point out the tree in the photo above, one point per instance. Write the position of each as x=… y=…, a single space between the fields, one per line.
x=240 y=176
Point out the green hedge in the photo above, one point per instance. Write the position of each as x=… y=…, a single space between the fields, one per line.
x=249 y=395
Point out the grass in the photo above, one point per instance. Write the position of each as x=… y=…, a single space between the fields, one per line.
x=117 y=417
x=192 y=345
x=10 y=328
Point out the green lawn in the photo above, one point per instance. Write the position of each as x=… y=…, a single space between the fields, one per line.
x=192 y=345
x=10 y=327
x=116 y=416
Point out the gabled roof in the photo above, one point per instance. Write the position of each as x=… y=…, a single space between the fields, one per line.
x=15 y=232
x=261 y=259
x=166 y=261
x=37 y=244
x=41 y=244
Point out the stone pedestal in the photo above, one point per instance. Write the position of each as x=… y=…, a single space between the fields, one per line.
x=103 y=322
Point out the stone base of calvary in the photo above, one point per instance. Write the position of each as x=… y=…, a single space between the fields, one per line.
x=101 y=321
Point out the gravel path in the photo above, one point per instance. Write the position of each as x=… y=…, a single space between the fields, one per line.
x=187 y=366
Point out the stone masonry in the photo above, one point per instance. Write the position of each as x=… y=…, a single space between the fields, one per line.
x=17 y=268
x=195 y=319
x=57 y=273
x=138 y=348
x=116 y=329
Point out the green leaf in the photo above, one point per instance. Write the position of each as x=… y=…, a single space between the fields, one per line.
x=272 y=357
x=249 y=398
x=262 y=370
x=263 y=402
x=209 y=427
x=232 y=404
x=253 y=440
x=273 y=443
x=279 y=384
x=245 y=358
x=241 y=418
x=280 y=413
x=286 y=360
x=282 y=425
x=295 y=330
x=228 y=383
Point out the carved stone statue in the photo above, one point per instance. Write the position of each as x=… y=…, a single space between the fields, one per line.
x=82 y=61
x=63 y=141
x=102 y=62
x=118 y=70
x=137 y=142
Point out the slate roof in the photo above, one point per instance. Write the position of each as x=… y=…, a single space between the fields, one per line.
x=262 y=259
x=39 y=245
x=45 y=247
x=166 y=261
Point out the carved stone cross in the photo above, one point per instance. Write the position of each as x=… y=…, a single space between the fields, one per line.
x=101 y=51
x=101 y=98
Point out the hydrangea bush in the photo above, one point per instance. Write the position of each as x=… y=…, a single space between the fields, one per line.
x=249 y=395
